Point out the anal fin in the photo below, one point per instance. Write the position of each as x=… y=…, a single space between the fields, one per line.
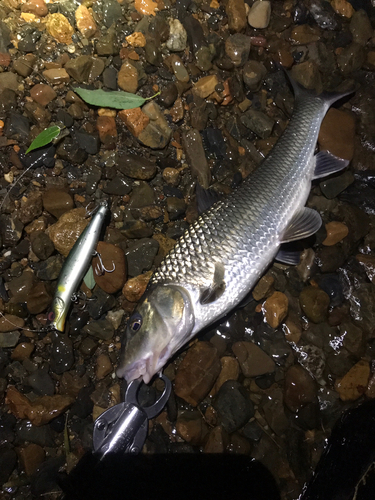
x=304 y=223
x=291 y=257
x=327 y=163
x=216 y=288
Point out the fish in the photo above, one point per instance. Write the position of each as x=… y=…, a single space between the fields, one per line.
x=222 y=255
x=75 y=268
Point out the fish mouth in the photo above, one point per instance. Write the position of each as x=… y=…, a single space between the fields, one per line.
x=133 y=371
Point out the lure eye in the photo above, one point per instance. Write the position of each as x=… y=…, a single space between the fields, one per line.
x=135 y=322
x=51 y=316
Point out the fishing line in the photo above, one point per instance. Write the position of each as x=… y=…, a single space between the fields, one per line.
x=42 y=330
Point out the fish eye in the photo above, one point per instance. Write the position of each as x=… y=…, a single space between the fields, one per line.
x=135 y=322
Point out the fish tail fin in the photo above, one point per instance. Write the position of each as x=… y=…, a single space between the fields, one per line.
x=301 y=92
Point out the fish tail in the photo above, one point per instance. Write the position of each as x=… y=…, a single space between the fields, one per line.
x=301 y=92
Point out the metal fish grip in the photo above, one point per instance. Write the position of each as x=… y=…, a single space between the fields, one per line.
x=123 y=428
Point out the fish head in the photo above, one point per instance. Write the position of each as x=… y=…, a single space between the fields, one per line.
x=160 y=325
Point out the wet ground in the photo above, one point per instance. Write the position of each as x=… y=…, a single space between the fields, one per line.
x=278 y=372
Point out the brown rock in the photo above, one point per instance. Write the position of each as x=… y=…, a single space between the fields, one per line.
x=336 y=231
x=31 y=207
x=217 y=441
x=8 y=323
x=103 y=366
x=239 y=444
x=368 y=262
x=67 y=230
x=192 y=428
x=146 y=7
x=300 y=388
x=71 y=383
x=354 y=383
x=343 y=8
x=230 y=370
x=285 y=58
x=197 y=373
x=292 y=331
x=177 y=111
x=113 y=258
x=36 y=7
x=205 y=86
x=263 y=288
x=337 y=134
x=38 y=299
x=42 y=94
x=314 y=302
x=22 y=351
x=165 y=244
x=134 y=119
x=253 y=361
x=40 y=411
x=157 y=133
x=236 y=13
x=57 y=76
x=171 y=176
x=57 y=202
x=106 y=126
x=59 y=27
x=304 y=34
x=135 y=287
x=4 y=59
x=127 y=78
x=136 y=39
x=31 y=457
x=276 y=309
x=85 y=22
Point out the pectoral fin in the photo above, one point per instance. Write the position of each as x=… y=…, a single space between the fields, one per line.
x=205 y=198
x=327 y=163
x=304 y=224
x=216 y=288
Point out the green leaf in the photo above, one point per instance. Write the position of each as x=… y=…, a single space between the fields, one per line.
x=44 y=138
x=89 y=279
x=113 y=99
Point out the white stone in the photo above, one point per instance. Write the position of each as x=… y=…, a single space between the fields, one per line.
x=260 y=13
x=177 y=36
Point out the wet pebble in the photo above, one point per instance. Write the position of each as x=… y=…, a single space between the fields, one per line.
x=196 y=158
x=113 y=259
x=136 y=167
x=8 y=461
x=217 y=441
x=343 y=8
x=314 y=302
x=103 y=366
x=258 y=122
x=237 y=48
x=22 y=351
x=157 y=133
x=360 y=27
x=62 y=355
x=259 y=14
x=101 y=329
x=333 y=187
x=299 y=389
x=197 y=373
x=274 y=412
x=37 y=7
x=253 y=361
x=140 y=256
x=337 y=132
x=31 y=457
x=336 y=231
x=236 y=13
x=85 y=22
x=9 y=339
x=263 y=288
x=79 y=68
x=127 y=78
x=253 y=74
x=351 y=58
x=101 y=303
x=177 y=36
x=230 y=370
x=134 y=119
x=233 y=406
x=9 y=322
x=49 y=269
x=59 y=27
x=42 y=245
x=354 y=382
x=175 y=207
x=135 y=287
x=41 y=383
x=65 y=232
x=191 y=427
x=275 y=309
x=40 y=411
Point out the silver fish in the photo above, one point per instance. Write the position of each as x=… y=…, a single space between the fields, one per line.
x=75 y=268
x=222 y=255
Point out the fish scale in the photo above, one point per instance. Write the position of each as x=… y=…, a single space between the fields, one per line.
x=221 y=256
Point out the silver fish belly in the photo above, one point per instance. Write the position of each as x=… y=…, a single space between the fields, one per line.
x=222 y=255
x=75 y=268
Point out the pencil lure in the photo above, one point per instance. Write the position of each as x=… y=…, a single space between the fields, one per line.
x=75 y=267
